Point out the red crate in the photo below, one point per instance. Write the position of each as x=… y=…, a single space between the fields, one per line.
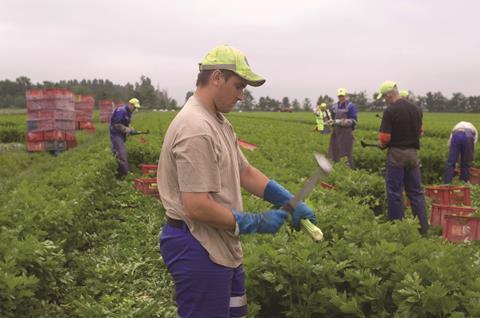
x=71 y=144
x=461 y=228
x=148 y=168
x=326 y=186
x=449 y=194
x=54 y=135
x=246 y=145
x=440 y=210
x=69 y=136
x=147 y=185
x=474 y=176
x=36 y=146
x=35 y=136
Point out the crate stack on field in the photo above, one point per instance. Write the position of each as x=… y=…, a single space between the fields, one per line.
x=106 y=109
x=50 y=119
x=148 y=184
x=451 y=209
x=84 y=105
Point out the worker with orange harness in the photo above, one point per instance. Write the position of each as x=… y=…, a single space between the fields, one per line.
x=400 y=132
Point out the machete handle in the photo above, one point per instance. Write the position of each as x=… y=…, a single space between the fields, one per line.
x=306 y=225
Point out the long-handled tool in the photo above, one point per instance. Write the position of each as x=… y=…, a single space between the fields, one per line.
x=140 y=132
x=324 y=167
x=364 y=144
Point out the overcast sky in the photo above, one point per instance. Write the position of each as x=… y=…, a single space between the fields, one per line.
x=303 y=48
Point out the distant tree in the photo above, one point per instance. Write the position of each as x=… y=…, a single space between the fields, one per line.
x=296 y=105
x=188 y=95
x=285 y=102
x=436 y=102
x=146 y=93
x=360 y=99
x=325 y=99
x=248 y=103
x=307 y=105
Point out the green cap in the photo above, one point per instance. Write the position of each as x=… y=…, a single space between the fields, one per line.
x=135 y=102
x=342 y=92
x=323 y=105
x=225 y=57
x=386 y=87
x=404 y=93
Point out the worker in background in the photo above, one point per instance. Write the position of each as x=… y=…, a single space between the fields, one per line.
x=404 y=94
x=400 y=132
x=119 y=129
x=344 y=120
x=201 y=171
x=461 y=144
x=322 y=117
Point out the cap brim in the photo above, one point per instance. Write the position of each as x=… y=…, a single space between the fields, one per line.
x=252 y=78
x=379 y=96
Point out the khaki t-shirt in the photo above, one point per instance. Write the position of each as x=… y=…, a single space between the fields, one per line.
x=200 y=153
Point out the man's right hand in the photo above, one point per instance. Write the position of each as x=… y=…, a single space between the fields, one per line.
x=267 y=222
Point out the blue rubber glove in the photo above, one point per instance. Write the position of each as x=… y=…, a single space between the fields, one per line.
x=279 y=196
x=267 y=222
x=302 y=211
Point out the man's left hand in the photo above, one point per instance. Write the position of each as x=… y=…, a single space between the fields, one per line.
x=302 y=211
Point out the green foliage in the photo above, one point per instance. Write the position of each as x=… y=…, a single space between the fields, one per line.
x=76 y=242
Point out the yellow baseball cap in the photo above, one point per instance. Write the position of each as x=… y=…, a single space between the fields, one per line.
x=404 y=93
x=135 y=102
x=386 y=87
x=342 y=92
x=225 y=57
x=323 y=105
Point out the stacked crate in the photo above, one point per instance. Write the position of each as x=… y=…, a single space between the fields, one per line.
x=452 y=211
x=50 y=119
x=106 y=109
x=84 y=112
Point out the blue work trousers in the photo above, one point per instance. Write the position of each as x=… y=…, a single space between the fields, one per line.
x=410 y=179
x=120 y=152
x=203 y=289
x=461 y=145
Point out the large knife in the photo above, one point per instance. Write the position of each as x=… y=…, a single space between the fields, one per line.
x=324 y=167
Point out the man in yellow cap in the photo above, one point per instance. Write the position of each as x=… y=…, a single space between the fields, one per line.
x=322 y=117
x=400 y=132
x=201 y=172
x=119 y=129
x=344 y=122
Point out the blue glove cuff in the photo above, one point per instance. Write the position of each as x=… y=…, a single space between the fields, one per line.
x=276 y=194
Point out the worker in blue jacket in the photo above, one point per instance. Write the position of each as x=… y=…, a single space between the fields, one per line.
x=119 y=129
x=344 y=121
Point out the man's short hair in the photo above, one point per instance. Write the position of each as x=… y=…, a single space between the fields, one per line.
x=204 y=76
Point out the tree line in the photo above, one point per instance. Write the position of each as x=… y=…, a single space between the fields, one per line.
x=432 y=102
x=12 y=93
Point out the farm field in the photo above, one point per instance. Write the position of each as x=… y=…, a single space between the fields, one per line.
x=77 y=242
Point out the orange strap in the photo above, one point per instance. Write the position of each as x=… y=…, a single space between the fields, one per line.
x=384 y=138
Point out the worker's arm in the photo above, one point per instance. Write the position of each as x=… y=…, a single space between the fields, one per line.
x=199 y=207
x=253 y=180
x=384 y=134
x=117 y=118
x=198 y=176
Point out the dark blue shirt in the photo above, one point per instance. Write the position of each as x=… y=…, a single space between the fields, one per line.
x=121 y=115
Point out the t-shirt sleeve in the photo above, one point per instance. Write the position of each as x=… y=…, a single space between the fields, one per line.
x=197 y=164
x=386 y=125
x=242 y=161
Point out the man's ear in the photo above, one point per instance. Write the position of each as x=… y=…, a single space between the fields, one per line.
x=216 y=77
